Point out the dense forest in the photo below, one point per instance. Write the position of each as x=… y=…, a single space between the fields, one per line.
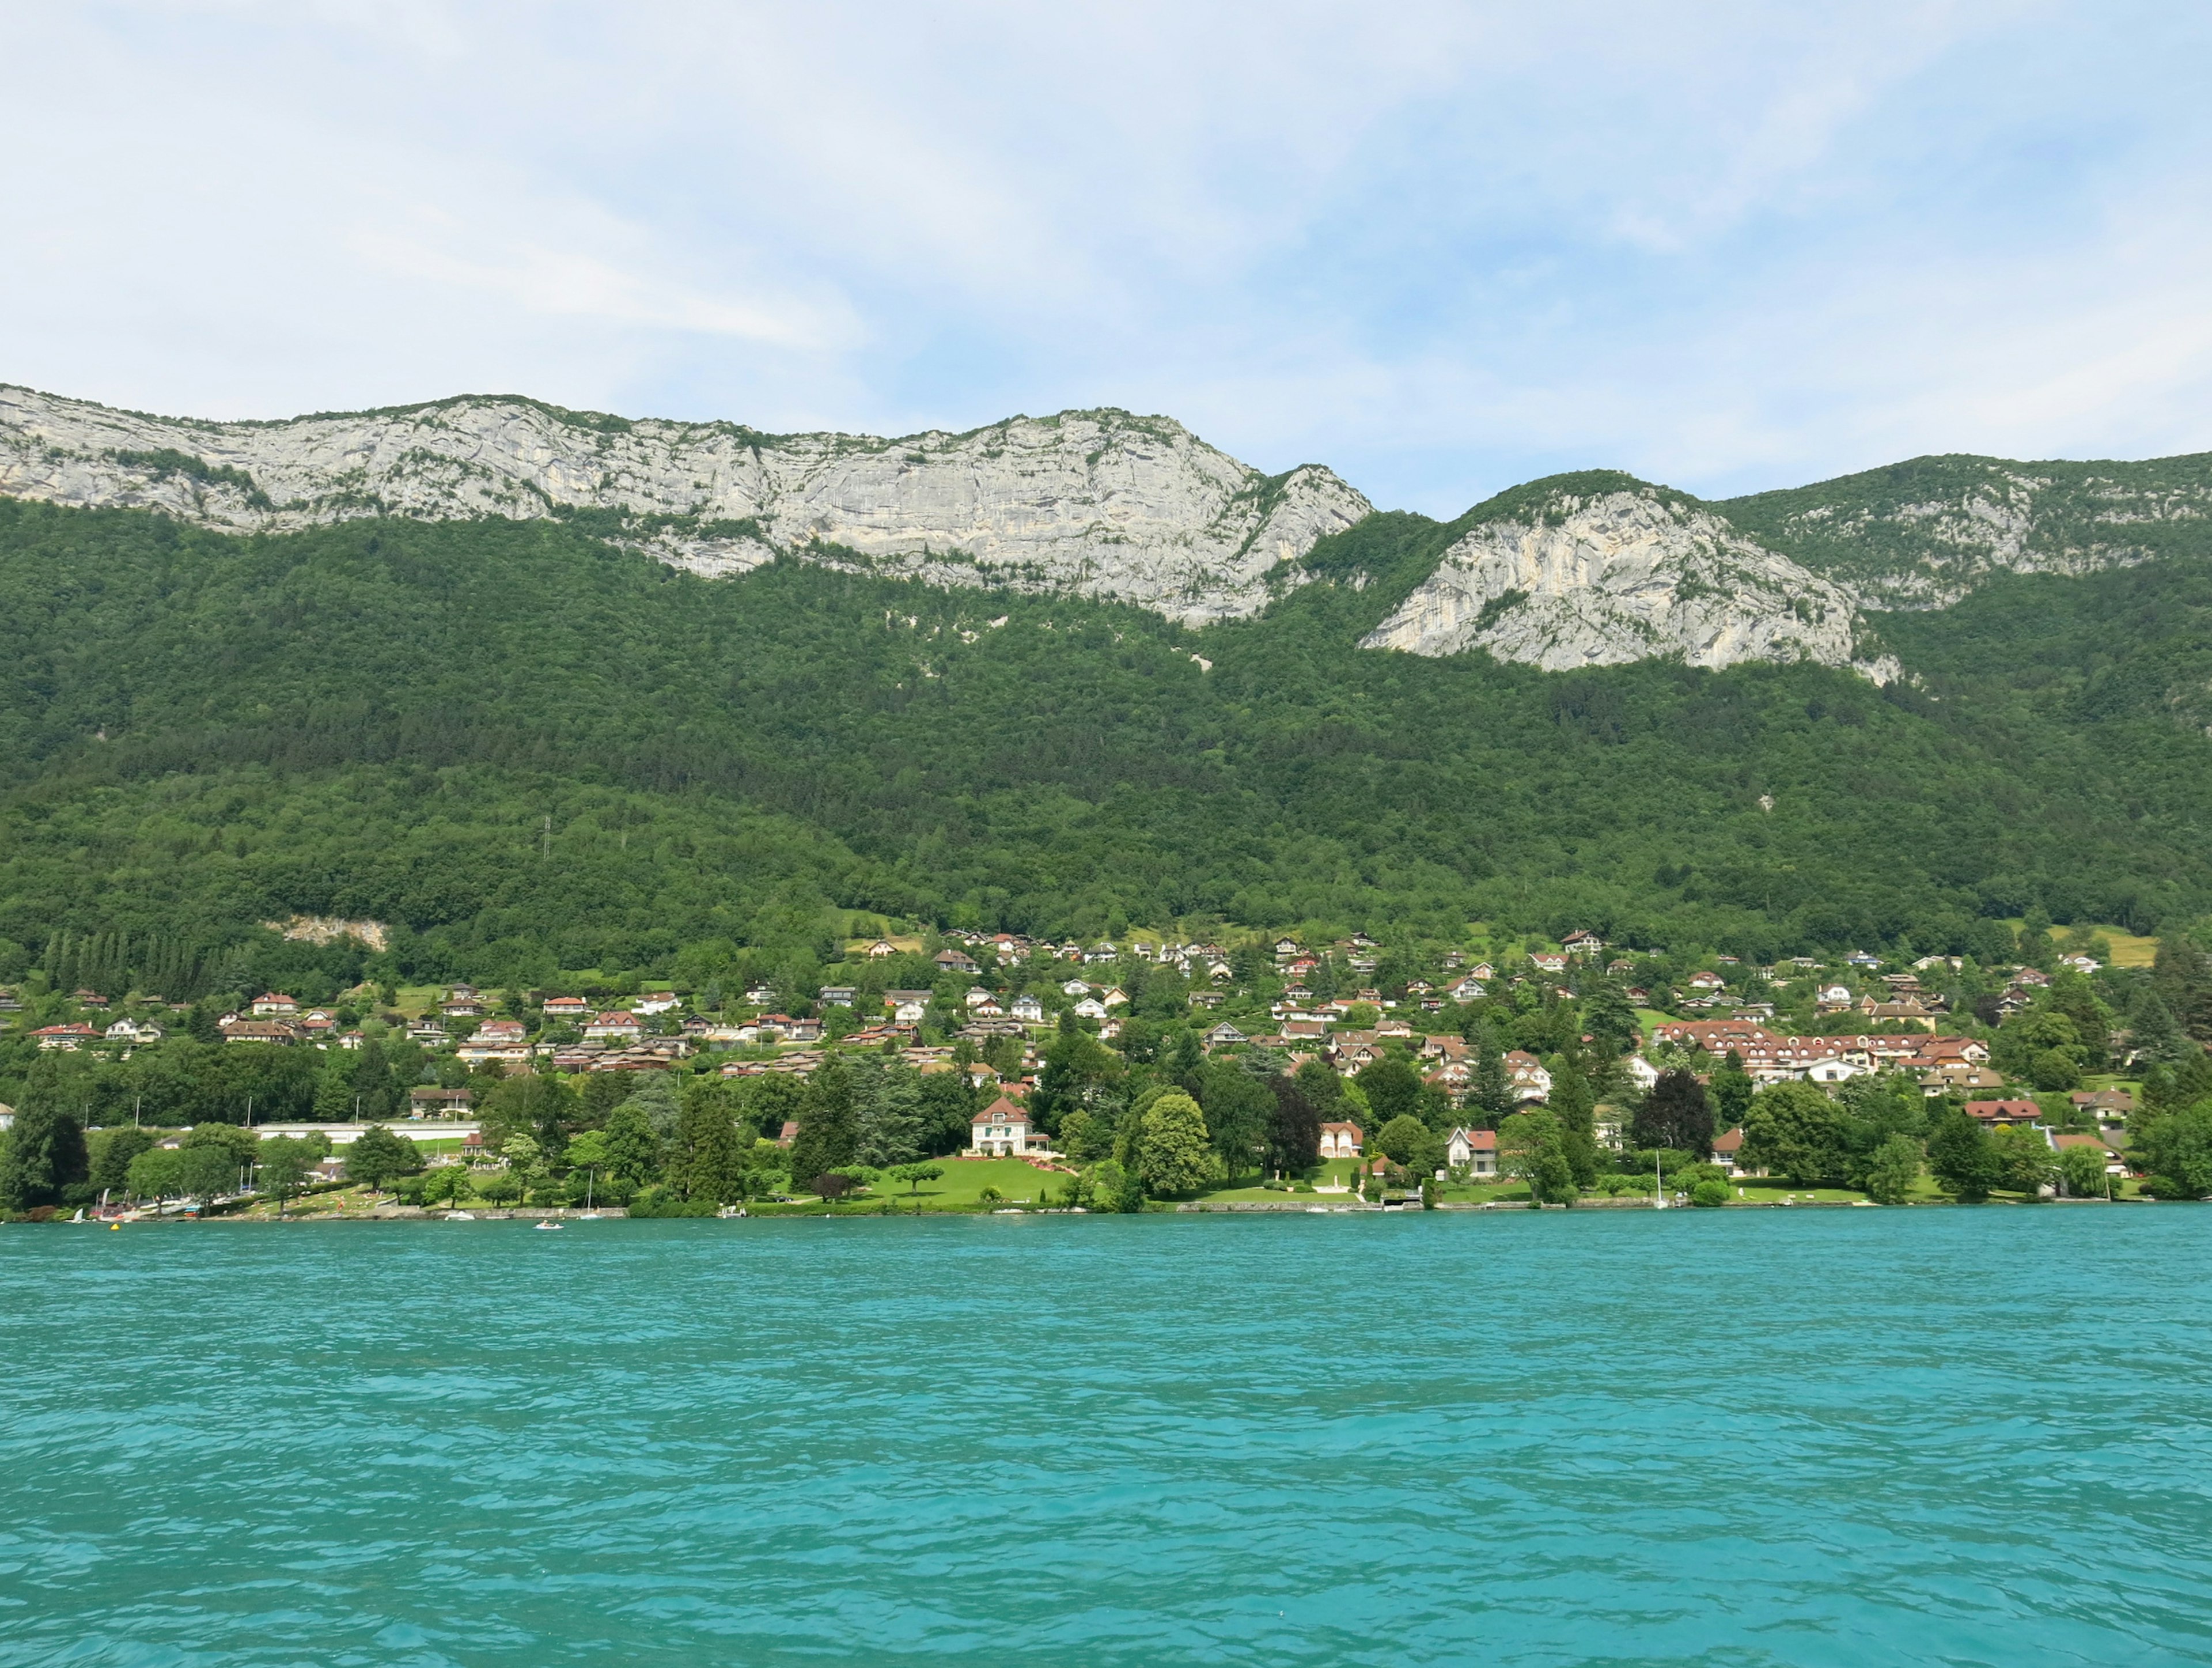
x=530 y=751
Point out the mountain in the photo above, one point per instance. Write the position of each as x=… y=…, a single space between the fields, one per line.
x=1598 y=568
x=522 y=734
x=1134 y=508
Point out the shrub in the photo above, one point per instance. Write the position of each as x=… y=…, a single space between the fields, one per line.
x=1708 y=1193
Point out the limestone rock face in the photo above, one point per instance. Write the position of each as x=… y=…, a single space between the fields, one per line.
x=1598 y=580
x=1110 y=505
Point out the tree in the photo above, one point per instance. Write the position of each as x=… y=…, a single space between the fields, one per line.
x=1795 y=1130
x=532 y=1104
x=1493 y=1090
x=2081 y=1171
x=1893 y=1169
x=706 y=1160
x=1408 y=1143
x=379 y=1156
x=1675 y=1114
x=156 y=1173
x=2022 y=1160
x=891 y=1124
x=286 y=1163
x=1731 y=1090
x=2179 y=1149
x=829 y=1127
x=526 y=1162
x=1610 y=1021
x=913 y=1175
x=585 y=1157
x=110 y=1152
x=1294 y=1128
x=1174 y=1155
x=1532 y=1148
x=448 y=1184
x=1959 y=1156
x=44 y=1154
x=1237 y=1107
x=633 y=1149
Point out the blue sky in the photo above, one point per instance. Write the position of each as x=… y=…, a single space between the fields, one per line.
x=1440 y=248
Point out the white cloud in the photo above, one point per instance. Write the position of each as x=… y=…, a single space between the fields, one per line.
x=1439 y=245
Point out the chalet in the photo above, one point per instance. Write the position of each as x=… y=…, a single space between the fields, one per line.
x=614 y=1026
x=1223 y=1035
x=466 y=992
x=1705 y=980
x=89 y=999
x=1641 y=1072
x=1957 y=1077
x=834 y=996
x=1833 y=997
x=1548 y=961
x=1581 y=944
x=1482 y=969
x=274 y=1006
x=565 y=1010
x=881 y=949
x=1339 y=1140
x=976 y=997
x=1102 y=951
x=1002 y=1130
x=431 y=1033
x=461 y=1007
x=2005 y=1114
x=128 y=1030
x=427 y=1100
x=1285 y=948
x=956 y=961
x=1075 y=988
x=1115 y=998
x=69 y=1037
x=907 y=1006
x=317 y=1025
x=1472 y=1150
x=759 y=996
x=1468 y=989
x=1220 y=972
x=659 y=1002
x=1028 y=1010
x=989 y=1008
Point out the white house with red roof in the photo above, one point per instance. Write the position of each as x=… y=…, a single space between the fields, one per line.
x=1340 y=1141
x=615 y=1025
x=1002 y=1130
x=1472 y=1150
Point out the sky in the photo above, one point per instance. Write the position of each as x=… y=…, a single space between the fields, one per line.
x=1442 y=248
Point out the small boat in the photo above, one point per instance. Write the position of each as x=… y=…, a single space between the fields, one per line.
x=459 y=1216
x=554 y=1227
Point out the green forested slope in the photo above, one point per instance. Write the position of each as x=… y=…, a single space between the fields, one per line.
x=533 y=751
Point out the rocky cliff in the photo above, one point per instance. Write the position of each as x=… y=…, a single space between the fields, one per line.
x=1111 y=505
x=1571 y=579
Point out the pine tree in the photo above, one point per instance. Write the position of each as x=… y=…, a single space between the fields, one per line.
x=891 y=1126
x=828 y=1133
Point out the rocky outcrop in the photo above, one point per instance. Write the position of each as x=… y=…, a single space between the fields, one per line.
x=1137 y=509
x=1575 y=581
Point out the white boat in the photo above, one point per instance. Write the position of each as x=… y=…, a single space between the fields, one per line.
x=554 y=1226
x=459 y=1216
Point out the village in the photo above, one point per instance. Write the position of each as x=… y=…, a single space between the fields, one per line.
x=989 y=1008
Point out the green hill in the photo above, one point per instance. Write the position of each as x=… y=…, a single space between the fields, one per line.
x=529 y=750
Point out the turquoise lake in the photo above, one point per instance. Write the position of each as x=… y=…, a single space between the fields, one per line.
x=1965 y=1436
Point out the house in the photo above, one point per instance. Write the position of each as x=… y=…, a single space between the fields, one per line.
x=976 y=997
x=1728 y=1153
x=1606 y=1127
x=461 y=1007
x=1529 y=1079
x=1002 y=1130
x=1837 y=1070
x=1548 y=961
x=614 y=1026
x=1468 y=989
x=788 y=1134
x=1285 y=948
x=69 y=1037
x=1641 y=1072
x=833 y=995
x=317 y=1025
x=910 y=1008
x=759 y=996
x=2005 y=1114
x=989 y=1008
x=1705 y=981
x=956 y=961
x=431 y=1033
x=427 y=1100
x=1222 y=1035
x=562 y=1008
x=881 y=949
x=659 y=1002
x=1472 y=1150
x=1115 y=997
x=260 y=1031
x=1028 y=1010
x=1339 y=1140
x=2105 y=1103
x=1075 y=988
x=127 y=1029
x=274 y=1006
x=2114 y=1164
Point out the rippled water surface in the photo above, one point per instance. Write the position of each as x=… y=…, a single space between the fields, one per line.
x=1848 y=1437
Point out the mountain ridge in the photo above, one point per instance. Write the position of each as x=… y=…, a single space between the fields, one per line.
x=1593 y=567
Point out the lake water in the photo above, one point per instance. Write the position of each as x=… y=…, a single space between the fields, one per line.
x=1740 y=1438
